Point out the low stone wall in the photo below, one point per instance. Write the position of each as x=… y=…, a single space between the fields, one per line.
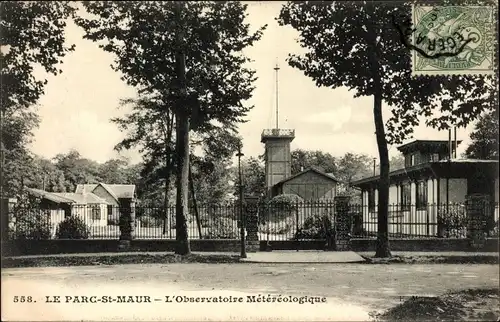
x=426 y=245
x=46 y=247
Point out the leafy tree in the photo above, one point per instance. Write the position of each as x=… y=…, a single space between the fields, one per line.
x=211 y=179
x=31 y=33
x=253 y=177
x=113 y=172
x=302 y=159
x=397 y=162
x=351 y=167
x=359 y=46
x=77 y=170
x=190 y=55
x=484 y=138
x=150 y=127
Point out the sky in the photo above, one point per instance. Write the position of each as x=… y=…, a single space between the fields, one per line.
x=78 y=104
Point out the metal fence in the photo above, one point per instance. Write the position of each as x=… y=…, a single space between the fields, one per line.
x=103 y=222
x=306 y=221
x=290 y=221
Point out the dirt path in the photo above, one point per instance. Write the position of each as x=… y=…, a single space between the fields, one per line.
x=352 y=290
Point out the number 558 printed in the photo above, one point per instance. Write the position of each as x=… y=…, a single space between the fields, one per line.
x=23 y=299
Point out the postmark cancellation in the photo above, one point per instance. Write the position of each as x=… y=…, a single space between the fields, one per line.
x=450 y=40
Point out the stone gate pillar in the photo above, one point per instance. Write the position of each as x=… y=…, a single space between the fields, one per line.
x=5 y=213
x=342 y=224
x=251 y=220
x=476 y=207
x=127 y=223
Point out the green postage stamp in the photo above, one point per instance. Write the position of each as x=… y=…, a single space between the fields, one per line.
x=453 y=40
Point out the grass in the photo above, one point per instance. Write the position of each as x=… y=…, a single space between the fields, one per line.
x=433 y=259
x=466 y=305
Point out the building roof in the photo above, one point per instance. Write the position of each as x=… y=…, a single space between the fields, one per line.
x=82 y=198
x=457 y=166
x=118 y=191
x=419 y=144
x=54 y=197
x=321 y=173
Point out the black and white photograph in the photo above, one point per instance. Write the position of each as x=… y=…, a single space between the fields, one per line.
x=249 y=160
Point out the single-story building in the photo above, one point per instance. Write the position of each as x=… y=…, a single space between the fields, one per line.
x=89 y=207
x=309 y=184
x=116 y=195
x=431 y=183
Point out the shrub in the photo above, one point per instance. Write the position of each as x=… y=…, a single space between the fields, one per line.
x=315 y=227
x=31 y=224
x=221 y=228
x=452 y=222
x=494 y=231
x=148 y=221
x=282 y=207
x=72 y=228
x=278 y=228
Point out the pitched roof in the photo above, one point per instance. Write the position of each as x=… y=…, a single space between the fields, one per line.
x=55 y=197
x=116 y=190
x=82 y=198
x=321 y=173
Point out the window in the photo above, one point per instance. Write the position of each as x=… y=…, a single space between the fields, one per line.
x=410 y=160
x=110 y=210
x=371 y=200
x=421 y=195
x=405 y=197
x=96 y=212
x=435 y=157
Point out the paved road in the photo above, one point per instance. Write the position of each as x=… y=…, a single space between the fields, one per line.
x=352 y=290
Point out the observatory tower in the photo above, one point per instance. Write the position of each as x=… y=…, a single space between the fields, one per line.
x=278 y=158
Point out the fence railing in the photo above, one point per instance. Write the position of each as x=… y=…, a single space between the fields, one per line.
x=292 y=221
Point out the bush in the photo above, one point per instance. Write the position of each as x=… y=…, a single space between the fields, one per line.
x=494 y=231
x=222 y=229
x=282 y=207
x=31 y=224
x=452 y=222
x=315 y=227
x=278 y=228
x=72 y=228
x=148 y=221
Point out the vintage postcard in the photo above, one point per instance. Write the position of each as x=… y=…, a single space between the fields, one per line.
x=249 y=161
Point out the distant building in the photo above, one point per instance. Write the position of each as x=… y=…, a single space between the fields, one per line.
x=309 y=184
x=430 y=177
x=116 y=196
x=96 y=204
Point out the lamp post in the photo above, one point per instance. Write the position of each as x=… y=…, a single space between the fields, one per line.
x=243 y=253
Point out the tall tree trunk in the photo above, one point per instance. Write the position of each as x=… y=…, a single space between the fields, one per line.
x=182 y=182
x=181 y=145
x=382 y=249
